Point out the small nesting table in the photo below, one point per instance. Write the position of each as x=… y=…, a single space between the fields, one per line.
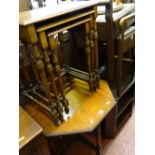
x=38 y=27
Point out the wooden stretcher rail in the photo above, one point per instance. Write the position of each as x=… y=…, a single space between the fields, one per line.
x=64 y=21
x=69 y=26
x=79 y=71
x=78 y=75
x=38 y=102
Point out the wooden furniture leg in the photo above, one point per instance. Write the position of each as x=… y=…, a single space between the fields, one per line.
x=110 y=123
x=119 y=68
x=88 y=54
x=96 y=51
x=57 y=105
x=98 y=140
x=92 y=53
x=96 y=147
x=33 y=39
x=58 y=72
x=109 y=29
x=65 y=65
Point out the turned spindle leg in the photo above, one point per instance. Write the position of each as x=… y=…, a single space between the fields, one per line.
x=50 y=71
x=33 y=39
x=91 y=37
x=57 y=69
x=88 y=55
x=40 y=67
x=61 y=42
x=96 y=50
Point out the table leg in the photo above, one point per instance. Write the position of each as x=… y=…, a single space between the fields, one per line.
x=57 y=105
x=88 y=54
x=110 y=123
x=119 y=67
x=52 y=44
x=98 y=140
x=95 y=37
x=96 y=147
x=33 y=39
x=92 y=54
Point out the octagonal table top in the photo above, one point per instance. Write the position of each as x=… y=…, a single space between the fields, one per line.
x=87 y=110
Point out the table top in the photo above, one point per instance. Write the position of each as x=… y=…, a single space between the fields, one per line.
x=41 y=14
x=28 y=128
x=87 y=110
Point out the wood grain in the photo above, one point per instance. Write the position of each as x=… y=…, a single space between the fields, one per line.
x=87 y=110
x=28 y=128
x=41 y=14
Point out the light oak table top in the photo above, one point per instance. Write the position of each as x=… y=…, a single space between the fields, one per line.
x=87 y=110
x=28 y=128
x=41 y=14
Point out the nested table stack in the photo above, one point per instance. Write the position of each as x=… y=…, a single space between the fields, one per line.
x=38 y=29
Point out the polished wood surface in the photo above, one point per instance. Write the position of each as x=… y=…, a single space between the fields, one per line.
x=33 y=16
x=87 y=110
x=28 y=128
x=50 y=22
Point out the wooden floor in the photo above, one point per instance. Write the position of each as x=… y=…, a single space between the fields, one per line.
x=123 y=144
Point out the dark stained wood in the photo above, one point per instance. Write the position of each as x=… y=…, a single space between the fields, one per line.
x=109 y=29
x=39 y=146
x=126 y=43
x=110 y=123
x=95 y=37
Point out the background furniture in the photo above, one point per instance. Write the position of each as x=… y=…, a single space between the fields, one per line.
x=116 y=41
x=108 y=30
x=31 y=139
x=125 y=45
